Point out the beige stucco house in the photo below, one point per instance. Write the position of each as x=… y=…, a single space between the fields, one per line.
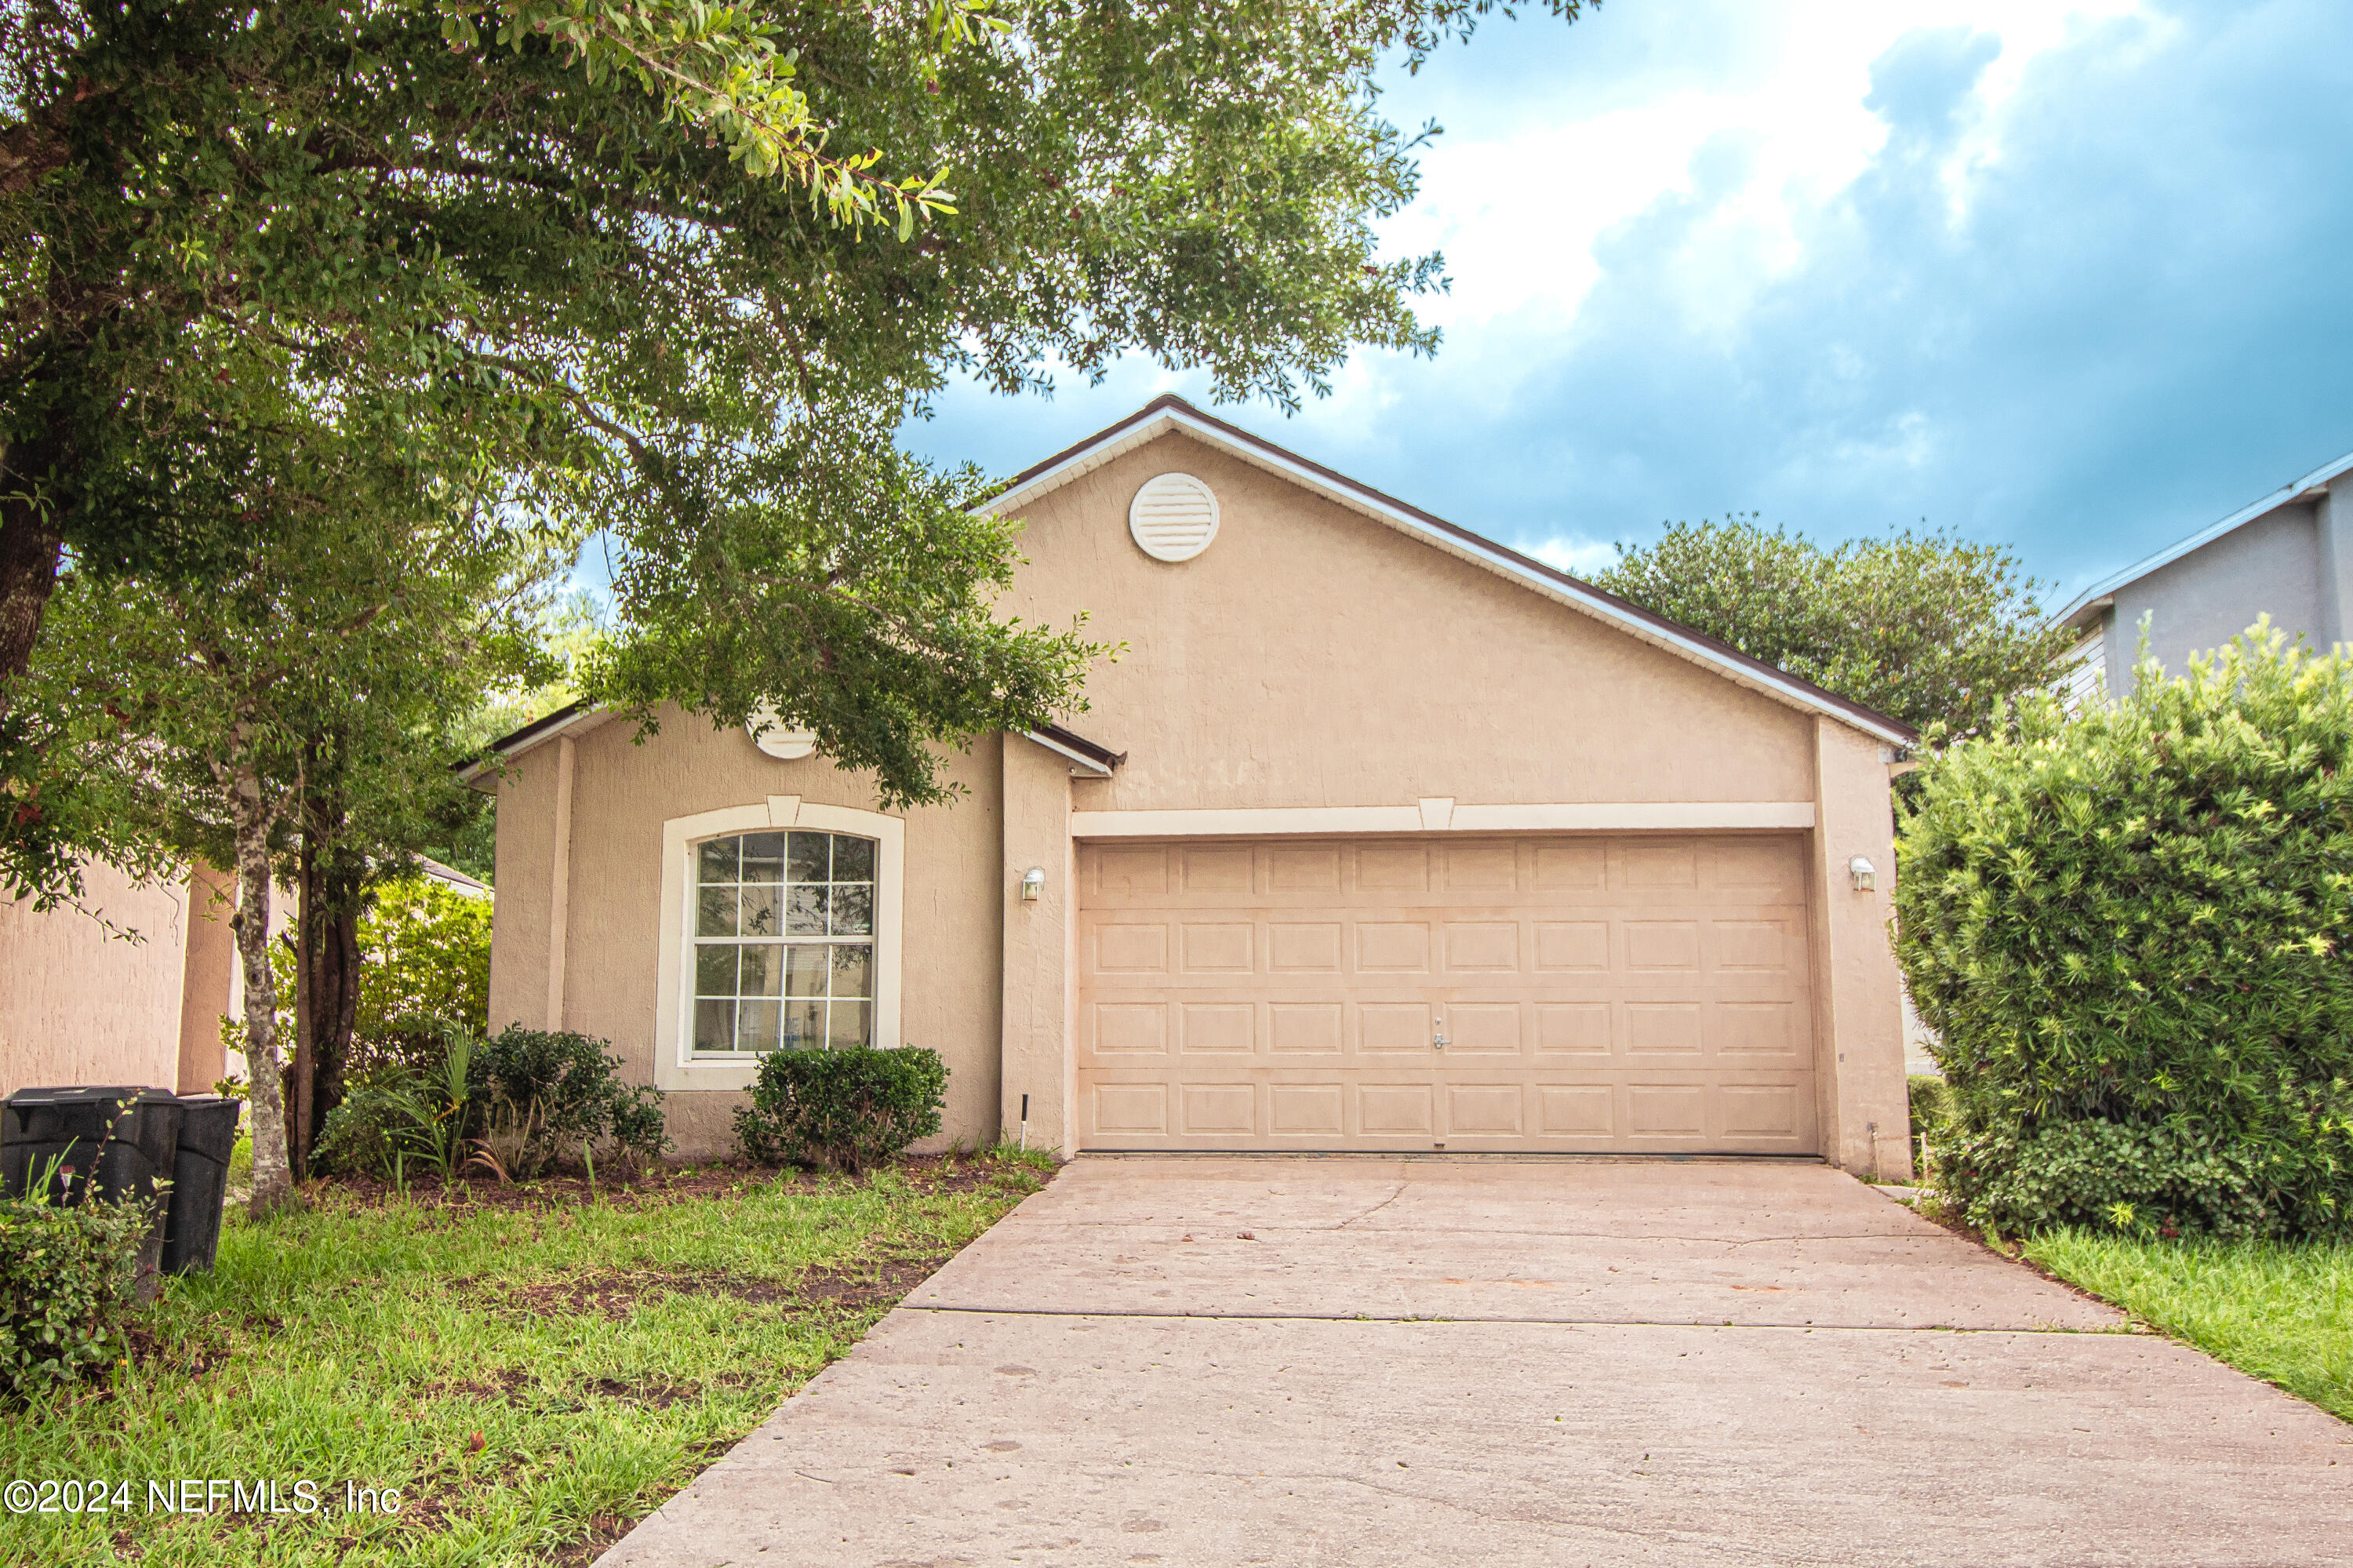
x=128 y=989
x=1377 y=836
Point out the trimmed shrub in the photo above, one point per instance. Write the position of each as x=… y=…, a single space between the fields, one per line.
x=68 y=1277
x=540 y=1096
x=532 y=1097
x=361 y=1134
x=842 y=1110
x=2125 y=925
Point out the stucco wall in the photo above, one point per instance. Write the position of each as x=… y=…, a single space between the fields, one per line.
x=1313 y=657
x=622 y=793
x=79 y=1006
x=2196 y=604
x=1866 y=1118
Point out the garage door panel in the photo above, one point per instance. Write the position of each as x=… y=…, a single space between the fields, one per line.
x=1394 y=1027
x=1654 y=865
x=1392 y=946
x=1304 y=948
x=1484 y=1029
x=1130 y=1028
x=1392 y=868
x=1308 y=1110
x=1754 y=1030
x=1306 y=1028
x=1595 y=994
x=1394 y=1109
x=1217 y=946
x=1303 y=868
x=1215 y=869
x=1485 y=867
x=1575 y=1028
x=1120 y=872
x=1572 y=946
x=1217 y=1110
x=1569 y=865
x=1130 y=1109
x=1485 y=1110
x=1482 y=947
x=1132 y=948
x=1218 y=1028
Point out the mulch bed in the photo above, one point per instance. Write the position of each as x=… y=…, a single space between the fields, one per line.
x=663 y=1184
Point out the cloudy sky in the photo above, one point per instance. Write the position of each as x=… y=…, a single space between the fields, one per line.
x=2076 y=276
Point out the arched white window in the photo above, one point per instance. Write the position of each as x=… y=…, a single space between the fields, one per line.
x=783 y=942
x=782 y=927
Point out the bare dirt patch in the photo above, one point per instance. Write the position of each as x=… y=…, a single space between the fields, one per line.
x=652 y=1392
x=865 y=1282
x=503 y=1383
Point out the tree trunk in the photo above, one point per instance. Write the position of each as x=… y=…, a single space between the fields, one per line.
x=300 y=1080
x=326 y=972
x=30 y=551
x=249 y=816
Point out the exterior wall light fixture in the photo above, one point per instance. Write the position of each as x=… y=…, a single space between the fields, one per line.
x=1866 y=879
x=1033 y=882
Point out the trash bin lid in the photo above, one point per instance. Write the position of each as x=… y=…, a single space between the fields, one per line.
x=86 y=1094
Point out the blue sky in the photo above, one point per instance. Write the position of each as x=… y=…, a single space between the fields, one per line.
x=2076 y=276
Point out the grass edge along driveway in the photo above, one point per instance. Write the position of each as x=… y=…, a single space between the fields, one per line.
x=529 y=1379
x=2276 y=1310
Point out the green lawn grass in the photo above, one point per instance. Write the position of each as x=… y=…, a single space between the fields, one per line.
x=529 y=1379
x=2279 y=1312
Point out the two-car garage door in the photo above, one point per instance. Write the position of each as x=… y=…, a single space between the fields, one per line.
x=1639 y=993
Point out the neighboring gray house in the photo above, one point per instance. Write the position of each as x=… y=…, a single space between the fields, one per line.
x=2289 y=555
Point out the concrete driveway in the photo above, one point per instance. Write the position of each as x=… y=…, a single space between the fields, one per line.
x=1487 y=1361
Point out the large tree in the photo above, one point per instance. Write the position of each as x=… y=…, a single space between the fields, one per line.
x=1927 y=628
x=642 y=262
x=294 y=714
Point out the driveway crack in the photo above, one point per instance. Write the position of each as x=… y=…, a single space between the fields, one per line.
x=1376 y=1208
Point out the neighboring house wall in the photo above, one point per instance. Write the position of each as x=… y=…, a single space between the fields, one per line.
x=2268 y=566
x=2289 y=555
x=82 y=1005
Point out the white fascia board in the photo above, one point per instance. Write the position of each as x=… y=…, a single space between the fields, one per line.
x=1479 y=554
x=1080 y=760
x=579 y=724
x=2285 y=495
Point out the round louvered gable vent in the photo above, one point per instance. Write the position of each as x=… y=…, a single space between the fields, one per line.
x=770 y=734
x=1173 y=517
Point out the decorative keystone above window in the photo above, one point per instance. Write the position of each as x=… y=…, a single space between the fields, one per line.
x=770 y=735
x=1173 y=517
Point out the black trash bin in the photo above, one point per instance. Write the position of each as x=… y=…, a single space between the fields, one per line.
x=118 y=1140
x=199 y=1181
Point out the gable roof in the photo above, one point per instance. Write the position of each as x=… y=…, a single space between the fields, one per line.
x=1171 y=414
x=1084 y=754
x=2079 y=609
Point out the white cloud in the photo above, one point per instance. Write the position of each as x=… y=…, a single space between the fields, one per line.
x=1579 y=557
x=1519 y=196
